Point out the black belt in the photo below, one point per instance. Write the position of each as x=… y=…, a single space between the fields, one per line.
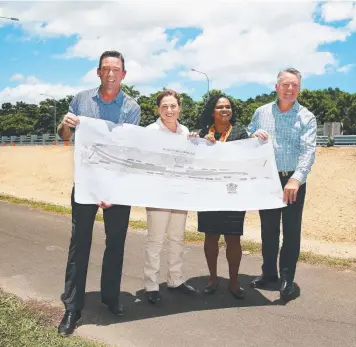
x=286 y=173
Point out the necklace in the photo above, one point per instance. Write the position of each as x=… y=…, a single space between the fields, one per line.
x=224 y=135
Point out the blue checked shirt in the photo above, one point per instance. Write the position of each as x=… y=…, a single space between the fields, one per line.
x=293 y=134
x=123 y=109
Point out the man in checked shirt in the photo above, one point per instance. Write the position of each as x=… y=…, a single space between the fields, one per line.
x=292 y=130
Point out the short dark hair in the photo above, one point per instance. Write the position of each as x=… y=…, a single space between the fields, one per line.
x=167 y=92
x=112 y=54
x=206 y=117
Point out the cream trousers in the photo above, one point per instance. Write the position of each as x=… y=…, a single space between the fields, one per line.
x=159 y=223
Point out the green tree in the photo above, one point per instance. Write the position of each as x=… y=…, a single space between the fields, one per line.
x=129 y=90
x=248 y=110
x=349 y=120
x=6 y=109
x=189 y=116
x=16 y=125
x=45 y=120
x=148 y=109
x=328 y=105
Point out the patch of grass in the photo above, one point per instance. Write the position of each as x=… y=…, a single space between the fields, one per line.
x=138 y=224
x=317 y=259
x=198 y=238
x=251 y=246
x=33 y=324
x=193 y=237
x=60 y=209
x=37 y=204
x=254 y=248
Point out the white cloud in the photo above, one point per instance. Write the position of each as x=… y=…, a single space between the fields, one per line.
x=346 y=68
x=90 y=78
x=238 y=44
x=25 y=80
x=179 y=88
x=16 y=77
x=32 y=80
x=335 y=11
x=31 y=93
x=146 y=90
x=136 y=74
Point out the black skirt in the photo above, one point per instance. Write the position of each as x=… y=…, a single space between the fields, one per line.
x=221 y=222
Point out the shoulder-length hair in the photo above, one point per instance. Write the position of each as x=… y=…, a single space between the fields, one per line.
x=206 y=117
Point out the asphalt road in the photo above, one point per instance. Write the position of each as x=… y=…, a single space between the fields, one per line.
x=33 y=254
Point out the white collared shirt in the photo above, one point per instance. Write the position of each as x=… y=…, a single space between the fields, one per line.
x=158 y=125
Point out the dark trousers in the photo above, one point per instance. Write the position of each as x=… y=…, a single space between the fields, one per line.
x=270 y=231
x=116 y=219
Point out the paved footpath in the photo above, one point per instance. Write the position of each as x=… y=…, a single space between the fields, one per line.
x=33 y=253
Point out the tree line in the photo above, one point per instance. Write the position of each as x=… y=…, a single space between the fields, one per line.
x=328 y=105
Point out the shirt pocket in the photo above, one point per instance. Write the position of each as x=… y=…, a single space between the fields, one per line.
x=294 y=133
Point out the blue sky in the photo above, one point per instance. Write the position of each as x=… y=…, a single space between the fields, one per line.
x=241 y=55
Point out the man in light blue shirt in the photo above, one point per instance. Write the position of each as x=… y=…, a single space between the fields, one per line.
x=110 y=103
x=292 y=130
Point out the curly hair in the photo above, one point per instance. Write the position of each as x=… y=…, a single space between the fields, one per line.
x=206 y=117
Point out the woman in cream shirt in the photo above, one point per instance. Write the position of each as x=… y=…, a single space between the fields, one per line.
x=166 y=221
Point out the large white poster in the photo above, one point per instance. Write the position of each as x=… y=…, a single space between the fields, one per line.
x=132 y=165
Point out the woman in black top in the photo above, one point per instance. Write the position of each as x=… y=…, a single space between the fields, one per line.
x=219 y=124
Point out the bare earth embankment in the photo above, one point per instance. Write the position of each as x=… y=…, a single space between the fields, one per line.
x=329 y=225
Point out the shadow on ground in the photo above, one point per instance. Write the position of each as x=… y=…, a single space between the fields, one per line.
x=137 y=307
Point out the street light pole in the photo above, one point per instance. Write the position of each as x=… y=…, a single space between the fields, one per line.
x=55 y=119
x=205 y=76
x=55 y=113
x=10 y=18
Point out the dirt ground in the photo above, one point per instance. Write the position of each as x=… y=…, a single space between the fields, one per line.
x=46 y=174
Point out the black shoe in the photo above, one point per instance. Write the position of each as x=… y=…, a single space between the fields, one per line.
x=153 y=297
x=262 y=280
x=210 y=289
x=287 y=290
x=114 y=306
x=68 y=323
x=184 y=288
x=238 y=294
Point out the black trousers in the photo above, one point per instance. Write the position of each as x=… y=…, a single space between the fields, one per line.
x=270 y=231
x=116 y=220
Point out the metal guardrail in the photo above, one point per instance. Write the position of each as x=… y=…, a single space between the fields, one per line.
x=47 y=139
x=337 y=140
x=34 y=140
x=344 y=140
x=322 y=140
